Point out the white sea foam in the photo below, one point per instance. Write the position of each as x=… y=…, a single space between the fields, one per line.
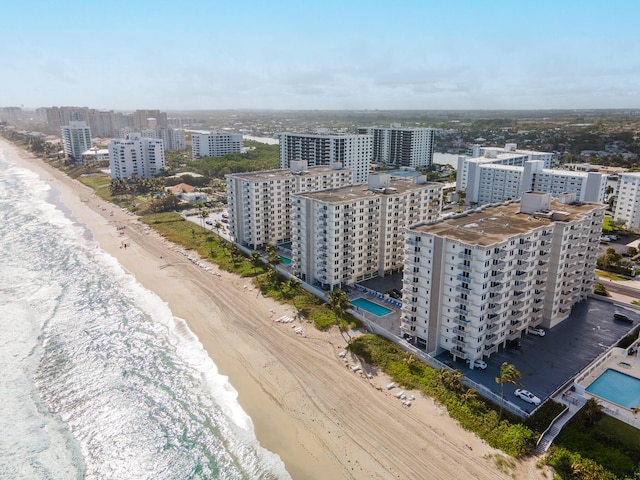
x=104 y=381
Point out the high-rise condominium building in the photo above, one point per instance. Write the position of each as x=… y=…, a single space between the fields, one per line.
x=259 y=203
x=509 y=155
x=143 y=157
x=76 y=139
x=345 y=235
x=349 y=151
x=173 y=139
x=215 y=144
x=143 y=119
x=627 y=207
x=493 y=182
x=476 y=280
x=401 y=147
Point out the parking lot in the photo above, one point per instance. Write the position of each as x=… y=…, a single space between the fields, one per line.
x=546 y=363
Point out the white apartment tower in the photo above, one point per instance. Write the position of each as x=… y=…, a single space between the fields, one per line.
x=259 y=203
x=346 y=235
x=349 y=151
x=215 y=144
x=476 y=280
x=628 y=201
x=509 y=155
x=142 y=157
x=492 y=182
x=401 y=147
x=76 y=139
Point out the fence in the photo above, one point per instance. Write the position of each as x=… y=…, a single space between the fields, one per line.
x=438 y=365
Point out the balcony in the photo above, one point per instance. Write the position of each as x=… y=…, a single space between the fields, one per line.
x=501 y=255
x=490 y=350
x=523 y=256
x=495 y=309
x=458 y=353
x=518 y=314
x=464 y=256
x=496 y=297
x=464 y=268
x=518 y=295
x=461 y=311
x=458 y=343
x=462 y=301
x=498 y=277
x=513 y=335
x=462 y=323
x=464 y=278
x=462 y=289
x=516 y=323
x=491 y=327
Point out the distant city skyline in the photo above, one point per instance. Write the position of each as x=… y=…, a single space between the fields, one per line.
x=212 y=55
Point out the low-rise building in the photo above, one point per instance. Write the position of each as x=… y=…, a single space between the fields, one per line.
x=346 y=235
x=476 y=280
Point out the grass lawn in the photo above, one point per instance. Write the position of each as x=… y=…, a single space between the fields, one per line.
x=626 y=435
x=101 y=185
x=605 y=226
x=611 y=276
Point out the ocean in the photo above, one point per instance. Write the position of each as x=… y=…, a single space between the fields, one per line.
x=99 y=380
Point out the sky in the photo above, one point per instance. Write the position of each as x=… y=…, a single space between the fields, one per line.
x=309 y=54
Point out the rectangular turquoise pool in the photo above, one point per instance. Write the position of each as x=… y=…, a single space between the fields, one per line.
x=366 y=305
x=617 y=387
x=285 y=260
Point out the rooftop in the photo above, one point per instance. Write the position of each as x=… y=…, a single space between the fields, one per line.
x=497 y=222
x=397 y=186
x=281 y=174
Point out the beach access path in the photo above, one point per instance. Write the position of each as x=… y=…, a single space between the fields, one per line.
x=323 y=419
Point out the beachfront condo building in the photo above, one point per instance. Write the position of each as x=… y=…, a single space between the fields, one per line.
x=349 y=151
x=401 y=147
x=76 y=139
x=474 y=281
x=259 y=203
x=494 y=182
x=627 y=207
x=509 y=155
x=215 y=144
x=142 y=157
x=346 y=235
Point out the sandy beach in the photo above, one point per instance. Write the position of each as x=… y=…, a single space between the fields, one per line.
x=324 y=420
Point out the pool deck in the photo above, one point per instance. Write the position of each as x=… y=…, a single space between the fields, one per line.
x=610 y=361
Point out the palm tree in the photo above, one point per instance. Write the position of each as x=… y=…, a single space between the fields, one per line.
x=469 y=395
x=256 y=259
x=592 y=412
x=203 y=214
x=218 y=226
x=508 y=374
x=339 y=303
x=272 y=256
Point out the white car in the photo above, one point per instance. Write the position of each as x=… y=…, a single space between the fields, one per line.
x=536 y=331
x=527 y=396
x=478 y=364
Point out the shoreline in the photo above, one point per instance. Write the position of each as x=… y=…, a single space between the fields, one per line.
x=322 y=419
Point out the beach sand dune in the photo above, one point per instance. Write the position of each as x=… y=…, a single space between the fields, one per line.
x=323 y=419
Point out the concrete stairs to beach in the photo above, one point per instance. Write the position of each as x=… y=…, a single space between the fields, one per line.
x=547 y=440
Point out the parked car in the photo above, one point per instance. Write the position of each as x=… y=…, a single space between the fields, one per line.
x=622 y=317
x=536 y=331
x=209 y=222
x=477 y=364
x=527 y=396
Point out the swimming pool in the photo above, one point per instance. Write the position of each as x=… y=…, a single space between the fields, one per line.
x=377 y=310
x=285 y=260
x=617 y=387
